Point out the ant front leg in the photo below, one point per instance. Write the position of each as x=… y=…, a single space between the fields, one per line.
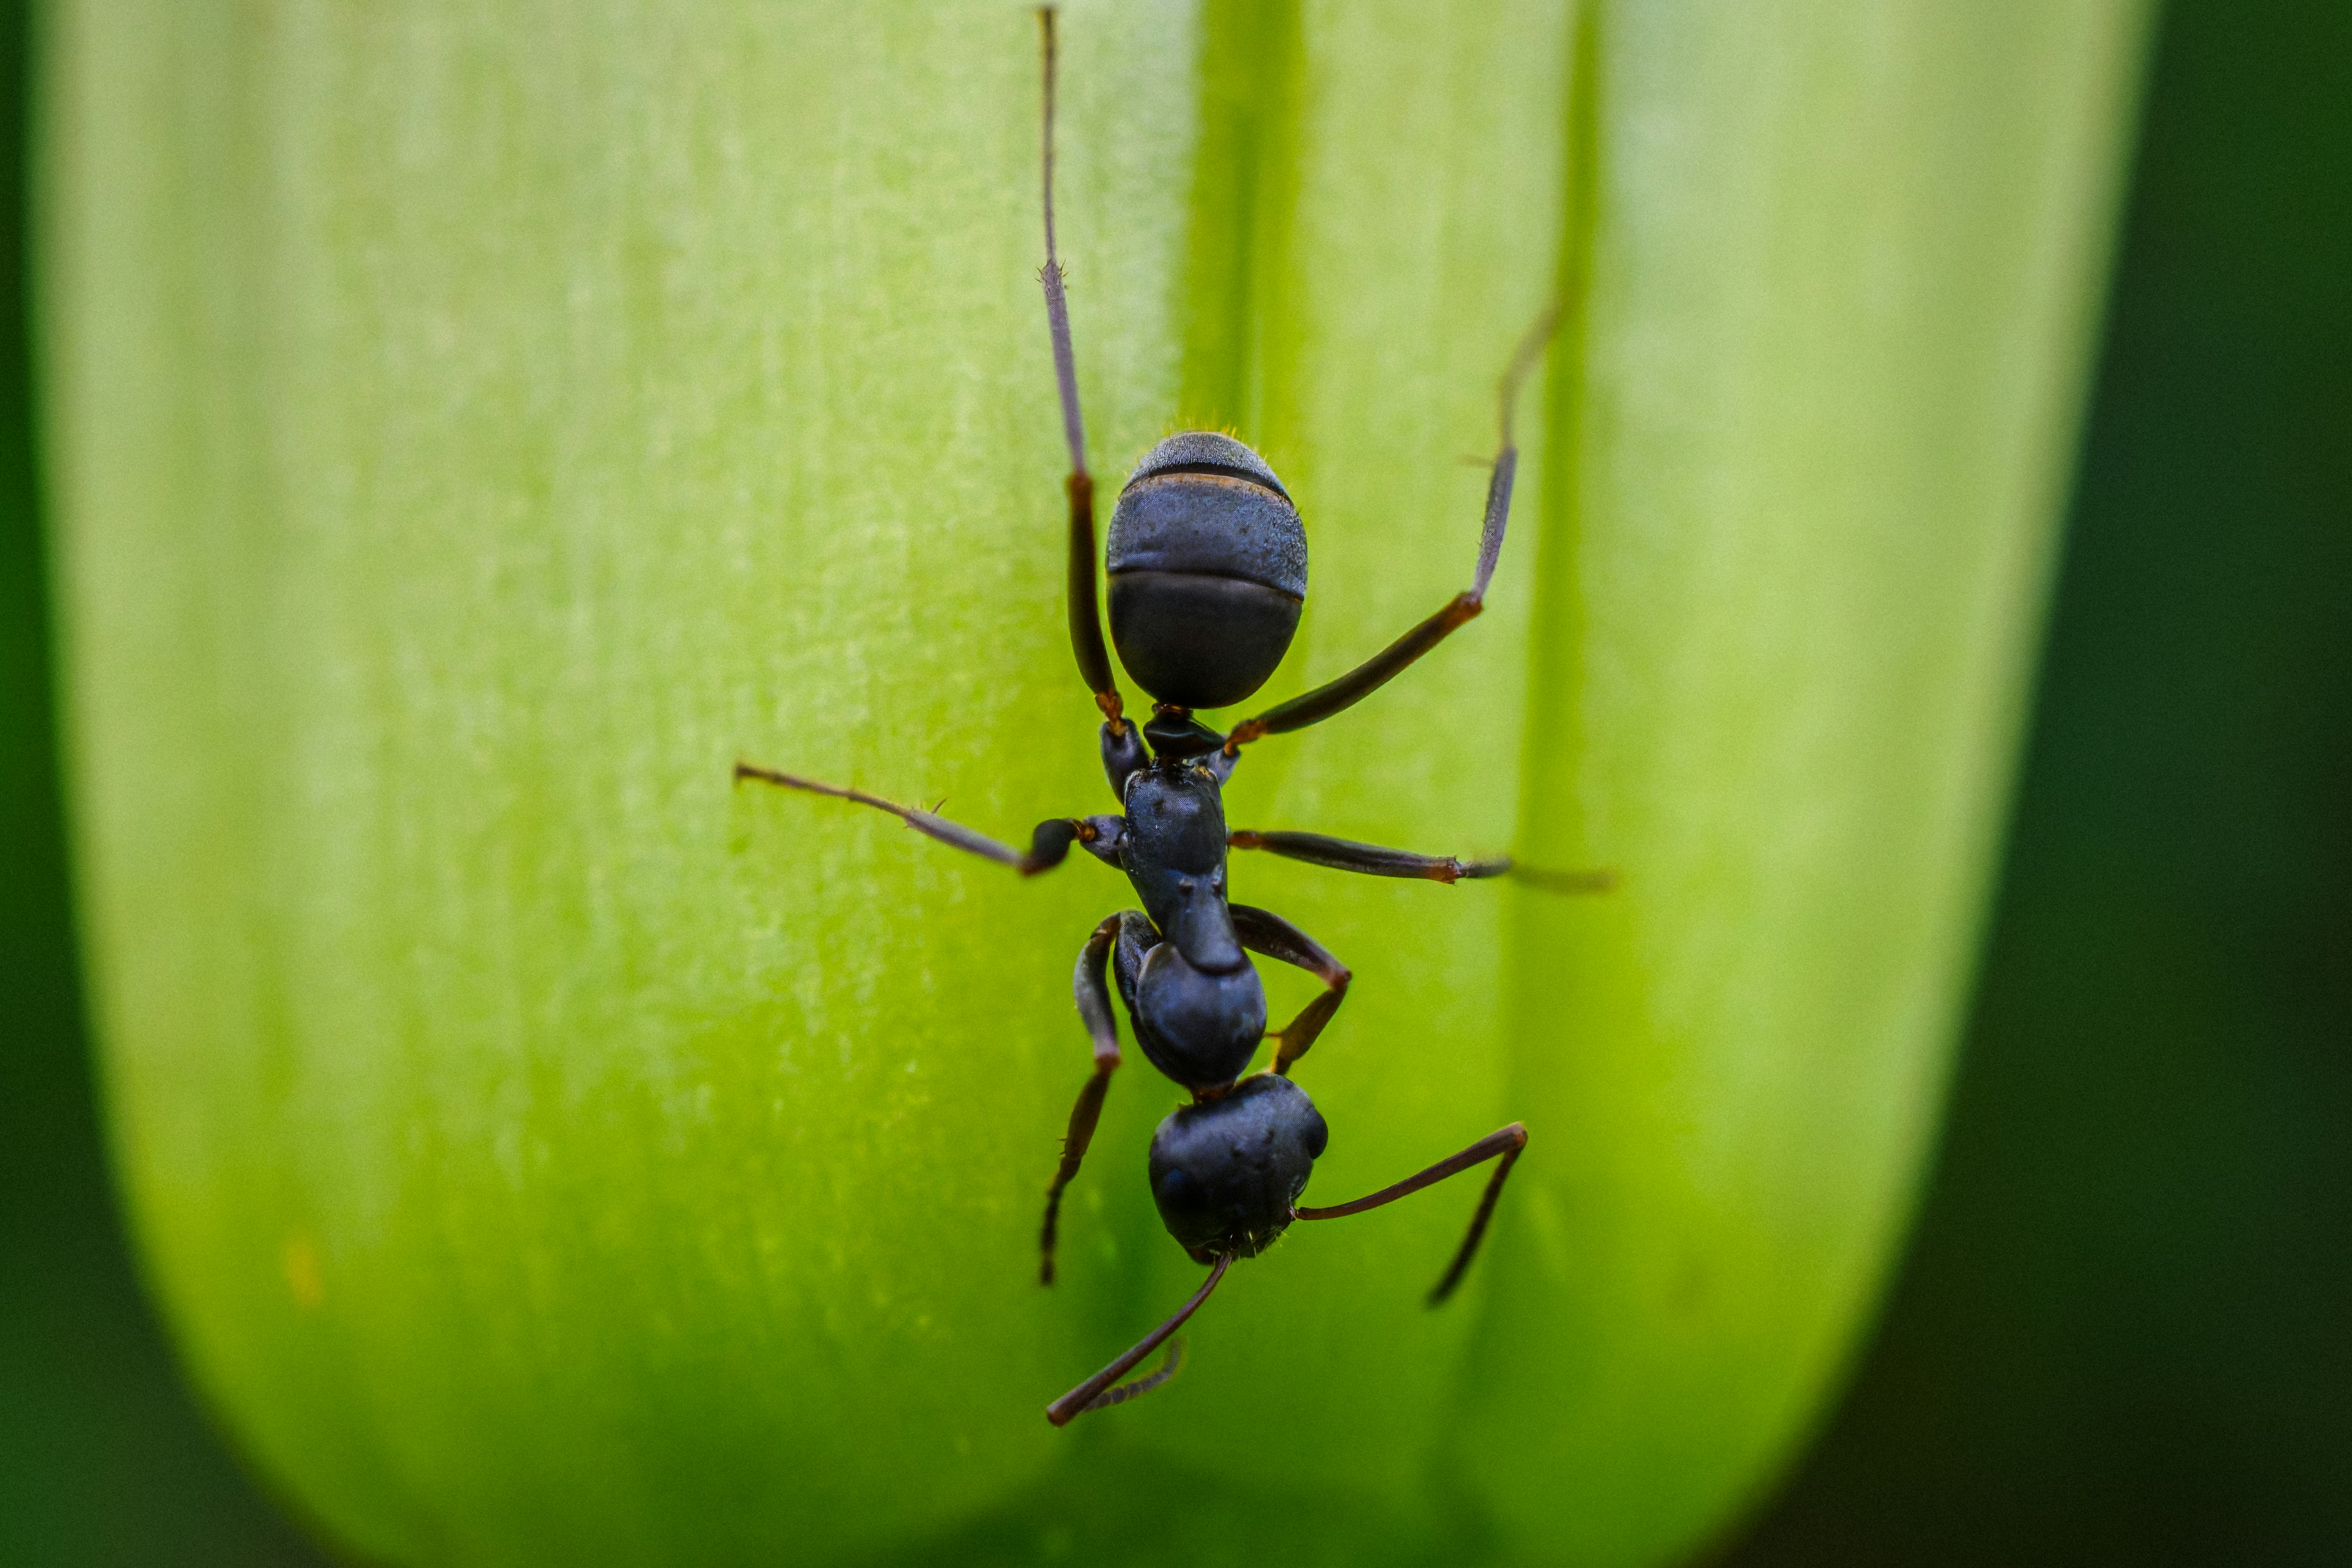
x=1360 y=683
x=1049 y=844
x=1094 y=1006
x=1507 y=1142
x=1085 y=616
x=1269 y=933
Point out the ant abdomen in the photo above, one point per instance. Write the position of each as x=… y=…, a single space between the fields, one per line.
x=1227 y=1174
x=1208 y=570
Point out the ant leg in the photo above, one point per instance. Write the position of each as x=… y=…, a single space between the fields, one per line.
x=1085 y=616
x=1269 y=933
x=1546 y=880
x=1048 y=845
x=1091 y=1394
x=1347 y=855
x=1507 y=1142
x=1094 y=1006
x=1360 y=683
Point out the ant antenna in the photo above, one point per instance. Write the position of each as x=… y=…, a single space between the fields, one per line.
x=1505 y=1142
x=1096 y=1392
x=1142 y=1385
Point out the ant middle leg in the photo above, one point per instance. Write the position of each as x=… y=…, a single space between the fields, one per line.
x=1370 y=859
x=1262 y=931
x=1337 y=696
x=1507 y=1142
x=1049 y=844
x=1373 y=861
x=1094 y=1006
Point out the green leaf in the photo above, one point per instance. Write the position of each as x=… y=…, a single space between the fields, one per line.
x=474 y=427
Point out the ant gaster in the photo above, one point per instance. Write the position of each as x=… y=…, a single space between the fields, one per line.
x=1207 y=565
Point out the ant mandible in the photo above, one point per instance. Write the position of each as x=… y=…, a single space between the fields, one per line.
x=1207 y=562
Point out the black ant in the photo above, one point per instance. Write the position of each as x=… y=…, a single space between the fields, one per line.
x=1207 y=562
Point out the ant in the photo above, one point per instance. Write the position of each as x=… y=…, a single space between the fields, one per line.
x=1207 y=563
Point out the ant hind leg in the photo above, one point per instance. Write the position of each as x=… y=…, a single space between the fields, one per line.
x=1085 y=611
x=1338 y=696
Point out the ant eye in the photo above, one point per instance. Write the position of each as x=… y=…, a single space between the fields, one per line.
x=1185 y=885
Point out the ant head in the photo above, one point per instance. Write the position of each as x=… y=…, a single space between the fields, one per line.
x=1225 y=1173
x=1208 y=570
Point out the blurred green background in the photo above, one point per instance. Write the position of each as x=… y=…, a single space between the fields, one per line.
x=2120 y=1333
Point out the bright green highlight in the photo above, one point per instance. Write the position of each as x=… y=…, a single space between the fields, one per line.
x=474 y=427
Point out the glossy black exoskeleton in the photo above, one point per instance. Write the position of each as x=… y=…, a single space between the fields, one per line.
x=1227 y=1174
x=1206 y=563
